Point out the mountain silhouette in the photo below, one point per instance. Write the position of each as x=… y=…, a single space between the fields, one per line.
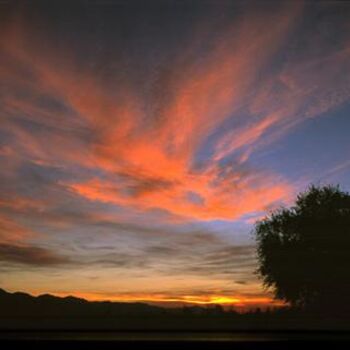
x=22 y=304
x=22 y=311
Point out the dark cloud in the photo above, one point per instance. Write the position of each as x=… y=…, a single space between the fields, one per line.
x=185 y=257
x=204 y=260
x=30 y=255
x=120 y=260
x=241 y=282
x=161 y=250
x=135 y=185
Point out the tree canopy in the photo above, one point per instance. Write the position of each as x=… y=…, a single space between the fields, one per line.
x=304 y=251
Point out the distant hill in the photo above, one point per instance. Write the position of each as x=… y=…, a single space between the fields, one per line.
x=22 y=304
x=21 y=311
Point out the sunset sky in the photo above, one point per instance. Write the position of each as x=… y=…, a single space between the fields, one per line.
x=141 y=140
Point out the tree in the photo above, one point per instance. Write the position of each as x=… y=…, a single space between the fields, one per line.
x=304 y=251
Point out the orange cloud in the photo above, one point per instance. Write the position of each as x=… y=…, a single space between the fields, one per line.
x=244 y=136
x=146 y=149
x=235 y=196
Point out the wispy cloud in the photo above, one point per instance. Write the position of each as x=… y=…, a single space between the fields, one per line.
x=148 y=146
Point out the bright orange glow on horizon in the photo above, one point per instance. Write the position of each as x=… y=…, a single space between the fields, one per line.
x=241 y=303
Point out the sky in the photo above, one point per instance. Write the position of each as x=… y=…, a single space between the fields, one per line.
x=141 y=140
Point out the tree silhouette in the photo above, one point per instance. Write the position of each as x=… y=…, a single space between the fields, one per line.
x=304 y=251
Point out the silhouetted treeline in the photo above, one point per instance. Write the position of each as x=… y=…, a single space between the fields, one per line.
x=23 y=311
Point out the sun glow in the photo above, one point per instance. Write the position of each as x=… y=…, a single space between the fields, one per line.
x=244 y=303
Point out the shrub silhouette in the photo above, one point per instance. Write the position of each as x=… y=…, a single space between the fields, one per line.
x=304 y=251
